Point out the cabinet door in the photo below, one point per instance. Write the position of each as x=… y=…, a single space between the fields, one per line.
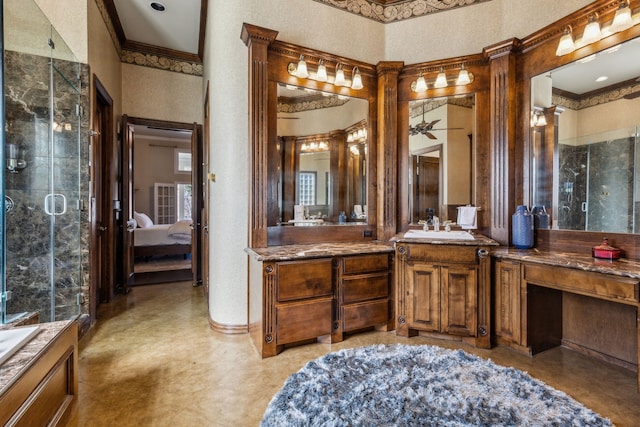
x=423 y=294
x=507 y=301
x=459 y=300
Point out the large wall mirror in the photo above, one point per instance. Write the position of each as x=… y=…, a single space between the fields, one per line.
x=584 y=152
x=441 y=156
x=323 y=146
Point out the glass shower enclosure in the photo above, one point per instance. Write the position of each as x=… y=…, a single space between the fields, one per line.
x=42 y=186
x=598 y=186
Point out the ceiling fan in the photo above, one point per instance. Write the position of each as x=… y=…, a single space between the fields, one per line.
x=426 y=128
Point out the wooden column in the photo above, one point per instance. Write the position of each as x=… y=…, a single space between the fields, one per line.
x=502 y=138
x=387 y=148
x=257 y=39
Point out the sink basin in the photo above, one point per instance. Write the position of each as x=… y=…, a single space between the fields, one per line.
x=11 y=340
x=440 y=235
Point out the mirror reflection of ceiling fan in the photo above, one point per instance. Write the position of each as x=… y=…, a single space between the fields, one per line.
x=426 y=128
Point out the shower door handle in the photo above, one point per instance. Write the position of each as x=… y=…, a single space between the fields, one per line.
x=50 y=200
x=584 y=206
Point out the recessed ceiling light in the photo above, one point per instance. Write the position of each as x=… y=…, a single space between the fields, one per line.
x=157 y=6
x=601 y=79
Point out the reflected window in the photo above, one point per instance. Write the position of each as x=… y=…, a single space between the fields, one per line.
x=307 y=188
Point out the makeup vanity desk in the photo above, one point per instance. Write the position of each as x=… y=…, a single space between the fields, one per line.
x=307 y=293
x=543 y=299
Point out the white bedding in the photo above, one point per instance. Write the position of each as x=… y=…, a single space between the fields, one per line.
x=163 y=234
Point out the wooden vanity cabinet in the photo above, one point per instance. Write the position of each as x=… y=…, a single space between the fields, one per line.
x=443 y=289
x=363 y=293
x=295 y=299
x=507 y=302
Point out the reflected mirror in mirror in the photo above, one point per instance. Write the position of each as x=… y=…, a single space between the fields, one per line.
x=322 y=167
x=584 y=156
x=441 y=150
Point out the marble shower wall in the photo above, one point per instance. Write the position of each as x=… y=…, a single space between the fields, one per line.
x=36 y=242
x=596 y=186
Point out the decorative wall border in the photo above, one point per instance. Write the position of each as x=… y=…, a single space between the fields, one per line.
x=592 y=101
x=380 y=12
x=161 y=62
x=296 y=105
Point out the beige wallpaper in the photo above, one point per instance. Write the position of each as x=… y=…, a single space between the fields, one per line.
x=161 y=95
x=69 y=17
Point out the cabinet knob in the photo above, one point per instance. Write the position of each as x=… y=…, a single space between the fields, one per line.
x=483 y=253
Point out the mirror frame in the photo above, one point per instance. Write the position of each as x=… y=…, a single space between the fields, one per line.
x=538 y=57
x=477 y=64
x=268 y=66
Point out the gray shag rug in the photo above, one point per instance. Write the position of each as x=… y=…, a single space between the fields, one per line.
x=401 y=385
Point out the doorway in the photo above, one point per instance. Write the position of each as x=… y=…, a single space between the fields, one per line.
x=163 y=202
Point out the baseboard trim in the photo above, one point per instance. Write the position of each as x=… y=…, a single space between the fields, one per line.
x=228 y=329
x=600 y=356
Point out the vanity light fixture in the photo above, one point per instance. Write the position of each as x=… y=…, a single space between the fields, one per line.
x=422 y=84
x=301 y=69
x=340 y=80
x=622 y=19
x=463 y=77
x=592 y=32
x=441 y=80
x=356 y=81
x=566 y=44
x=321 y=74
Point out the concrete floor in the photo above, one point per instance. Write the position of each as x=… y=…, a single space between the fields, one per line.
x=153 y=360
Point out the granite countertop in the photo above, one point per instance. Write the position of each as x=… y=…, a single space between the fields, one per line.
x=320 y=250
x=23 y=358
x=479 y=240
x=621 y=267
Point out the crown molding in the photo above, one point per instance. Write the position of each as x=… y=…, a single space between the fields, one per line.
x=386 y=11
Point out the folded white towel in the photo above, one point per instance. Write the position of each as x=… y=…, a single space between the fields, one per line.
x=467 y=217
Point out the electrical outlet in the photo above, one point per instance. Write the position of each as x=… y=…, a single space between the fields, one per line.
x=367 y=233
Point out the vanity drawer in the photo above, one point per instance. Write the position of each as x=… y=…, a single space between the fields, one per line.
x=442 y=253
x=365 y=264
x=614 y=288
x=362 y=315
x=303 y=320
x=304 y=279
x=367 y=287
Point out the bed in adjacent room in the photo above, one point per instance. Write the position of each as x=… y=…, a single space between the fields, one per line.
x=161 y=239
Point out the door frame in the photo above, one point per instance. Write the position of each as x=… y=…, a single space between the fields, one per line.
x=196 y=162
x=103 y=231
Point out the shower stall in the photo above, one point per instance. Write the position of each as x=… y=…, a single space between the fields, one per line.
x=599 y=182
x=44 y=232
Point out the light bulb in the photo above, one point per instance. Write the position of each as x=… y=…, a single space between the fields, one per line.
x=421 y=84
x=592 y=30
x=463 y=77
x=566 y=44
x=356 y=82
x=321 y=75
x=441 y=80
x=301 y=70
x=340 y=81
x=622 y=20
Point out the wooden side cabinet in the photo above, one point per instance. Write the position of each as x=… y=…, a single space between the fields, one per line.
x=363 y=293
x=443 y=289
x=291 y=301
x=318 y=299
